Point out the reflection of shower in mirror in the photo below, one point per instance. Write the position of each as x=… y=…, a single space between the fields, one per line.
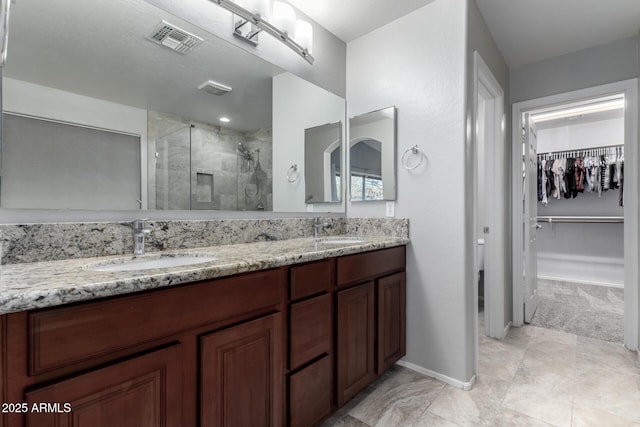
x=251 y=176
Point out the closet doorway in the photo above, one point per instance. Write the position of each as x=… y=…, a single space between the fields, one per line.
x=583 y=230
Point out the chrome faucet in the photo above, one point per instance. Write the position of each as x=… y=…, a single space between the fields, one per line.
x=317 y=225
x=139 y=232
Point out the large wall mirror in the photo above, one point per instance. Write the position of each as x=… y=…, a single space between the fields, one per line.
x=372 y=156
x=100 y=114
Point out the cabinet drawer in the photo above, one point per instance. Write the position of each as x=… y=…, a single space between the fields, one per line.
x=310 y=394
x=311 y=330
x=140 y=392
x=360 y=267
x=63 y=336
x=310 y=279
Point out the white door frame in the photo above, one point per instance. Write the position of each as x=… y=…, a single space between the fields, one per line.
x=630 y=90
x=495 y=202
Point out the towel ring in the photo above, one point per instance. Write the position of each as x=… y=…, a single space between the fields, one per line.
x=293 y=173
x=413 y=151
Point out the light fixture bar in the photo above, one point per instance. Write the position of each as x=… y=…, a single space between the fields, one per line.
x=262 y=26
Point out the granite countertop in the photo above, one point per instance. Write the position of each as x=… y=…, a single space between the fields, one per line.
x=45 y=284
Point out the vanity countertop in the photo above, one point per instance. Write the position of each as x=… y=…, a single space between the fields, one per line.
x=45 y=284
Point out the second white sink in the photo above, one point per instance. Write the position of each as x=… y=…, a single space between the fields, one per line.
x=148 y=262
x=341 y=240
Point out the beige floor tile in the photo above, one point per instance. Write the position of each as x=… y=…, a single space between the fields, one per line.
x=584 y=416
x=349 y=421
x=498 y=360
x=606 y=390
x=398 y=400
x=427 y=419
x=592 y=353
x=558 y=360
x=510 y=418
x=545 y=396
x=476 y=407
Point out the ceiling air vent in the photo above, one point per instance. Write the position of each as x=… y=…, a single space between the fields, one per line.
x=214 y=88
x=174 y=38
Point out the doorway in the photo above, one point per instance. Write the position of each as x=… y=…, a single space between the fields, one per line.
x=490 y=204
x=525 y=276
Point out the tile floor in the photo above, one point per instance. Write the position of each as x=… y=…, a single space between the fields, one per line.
x=535 y=377
x=586 y=310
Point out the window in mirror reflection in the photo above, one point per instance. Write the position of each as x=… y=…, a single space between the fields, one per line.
x=366 y=170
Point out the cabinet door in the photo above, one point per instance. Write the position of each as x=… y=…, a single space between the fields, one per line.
x=391 y=320
x=242 y=375
x=142 y=392
x=356 y=334
x=310 y=394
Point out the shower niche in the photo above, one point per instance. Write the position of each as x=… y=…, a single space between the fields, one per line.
x=199 y=166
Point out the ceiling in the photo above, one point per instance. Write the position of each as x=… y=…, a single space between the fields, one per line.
x=350 y=19
x=526 y=31
x=102 y=49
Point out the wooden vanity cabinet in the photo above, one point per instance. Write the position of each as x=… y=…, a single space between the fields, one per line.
x=311 y=332
x=370 y=325
x=284 y=346
x=208 y=353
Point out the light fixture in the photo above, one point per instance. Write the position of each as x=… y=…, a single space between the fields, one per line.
x=613 y=104
x=304 y=34
x=282 y=25
x=225 y=119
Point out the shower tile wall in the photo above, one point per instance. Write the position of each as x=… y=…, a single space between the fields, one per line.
x=213 y=159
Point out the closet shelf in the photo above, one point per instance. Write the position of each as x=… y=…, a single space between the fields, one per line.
x=581 y=219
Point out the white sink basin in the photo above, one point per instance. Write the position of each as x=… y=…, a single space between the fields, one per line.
x=147 y=262
x=341 y=240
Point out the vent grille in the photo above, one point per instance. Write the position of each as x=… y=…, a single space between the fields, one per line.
x=214 y=88
x=168 y=35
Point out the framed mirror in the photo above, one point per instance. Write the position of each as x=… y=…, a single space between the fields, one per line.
x=143 y=124
x=372 y=156
x=322 y=163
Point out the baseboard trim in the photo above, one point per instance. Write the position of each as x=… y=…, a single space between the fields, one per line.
x=445 y=379
x=582 y=282
x=507 y=329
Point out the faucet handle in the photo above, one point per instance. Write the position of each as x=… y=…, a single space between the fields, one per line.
x=139 y=225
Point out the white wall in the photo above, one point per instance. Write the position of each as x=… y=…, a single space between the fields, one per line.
x=298 y=105
x=581 y=135
x=45 y=102
x=417 y=63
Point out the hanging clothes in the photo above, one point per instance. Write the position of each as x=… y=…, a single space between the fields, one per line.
x=566 y=175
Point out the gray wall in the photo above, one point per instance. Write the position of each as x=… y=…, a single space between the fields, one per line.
x=479 y=39
x=595 y=66
x=417 y=63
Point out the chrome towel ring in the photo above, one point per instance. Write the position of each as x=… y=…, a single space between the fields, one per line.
x=293 y=173
x=410 y=153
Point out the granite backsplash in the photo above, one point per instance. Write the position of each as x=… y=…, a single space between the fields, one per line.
x=22 y=243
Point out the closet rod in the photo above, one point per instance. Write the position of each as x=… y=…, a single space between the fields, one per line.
x=581 y=219
x=583 y=150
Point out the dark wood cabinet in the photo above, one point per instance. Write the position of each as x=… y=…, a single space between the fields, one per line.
x=141 y=392
x=242 y=374
x=282 y=346
x=311 y=394
x=391 y=320
x=356 y=340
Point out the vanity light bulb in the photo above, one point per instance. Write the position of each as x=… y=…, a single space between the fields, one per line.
x=304 y=35
x=225 y=119
x=284 y=18
x=259 y=7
